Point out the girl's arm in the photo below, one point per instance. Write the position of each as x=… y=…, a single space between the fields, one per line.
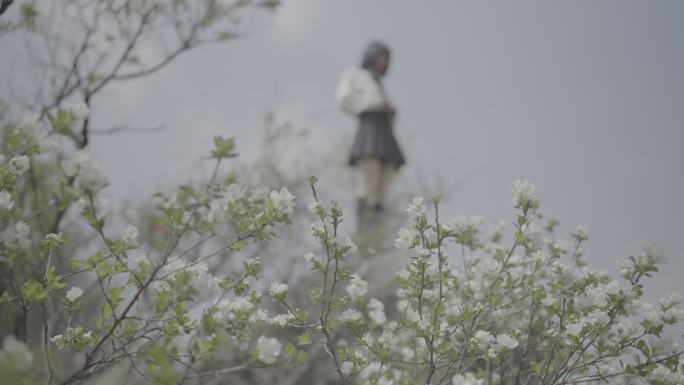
x=358 y=92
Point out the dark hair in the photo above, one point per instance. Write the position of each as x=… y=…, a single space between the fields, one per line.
x=373 y=50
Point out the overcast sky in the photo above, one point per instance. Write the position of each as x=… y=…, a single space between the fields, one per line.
x=584 y=98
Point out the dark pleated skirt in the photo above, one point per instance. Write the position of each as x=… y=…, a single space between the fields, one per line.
x=375 y=138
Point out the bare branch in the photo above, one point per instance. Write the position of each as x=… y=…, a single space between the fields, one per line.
x=136 y=130
x=4 y=5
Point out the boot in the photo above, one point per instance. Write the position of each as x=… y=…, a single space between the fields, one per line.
x=378 y=210
x=361 y=214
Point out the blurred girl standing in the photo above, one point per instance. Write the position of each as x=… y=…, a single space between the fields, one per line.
x=375 y=150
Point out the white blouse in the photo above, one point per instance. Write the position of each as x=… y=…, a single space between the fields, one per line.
x=358 y=92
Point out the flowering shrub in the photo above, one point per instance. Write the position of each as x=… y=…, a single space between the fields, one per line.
x=519 y=313
x=470 y=307
x=156 y=310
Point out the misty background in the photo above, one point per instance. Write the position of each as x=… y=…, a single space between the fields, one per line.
x=585 y=99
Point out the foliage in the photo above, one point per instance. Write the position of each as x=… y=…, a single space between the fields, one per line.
x=525 y=312
x=83 y=294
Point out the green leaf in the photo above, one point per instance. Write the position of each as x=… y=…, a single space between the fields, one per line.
x=63 y=122
x=226 y=35
x=304 y=339
x=6 y=298
x=28 y=14
x=115 y=295
x=536 y=368
x=33 y=291
x=315 y=295
x=53 y=281
x=291 y=351
x=224 y=148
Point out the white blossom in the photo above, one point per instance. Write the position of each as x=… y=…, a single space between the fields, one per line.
x=347 y=368
x=317 y=228
x=613 y=287
x=253 y=263
x=30 y=121
x=57 y=339
x=597 y=296
x=505 y=341
x=453 y=307
x=19 y=165
x=610 y=366
x=17 y=235
x=376 y=311
x=403 y=274
x=260 y=316
x=201 y=280
x=357 y=287
x=407 y=353
x=345 y=241
x=350 y=315
x=549 y=300
x=468 y=379
x=165 y=199
x=268 y=349
x=582 y=232
x=483 y=337
x=563 y=246
x=429 y=294
x=309 y=257
x=533 y=232
x=98 y=202
x=131 y=235
x=673 y=299
x=416 y=208
x=370 y=369
x=79 y=110
x=598 y=317
x=652 y=253
x=497 y=228
x=278 y=289
x=574 y=329
x=663 y=375
x=280 y=319
x=229 y=308
x=406 y=238
x=15 y=353
x=421 y=251
x=283 y=201
x=138 y=262
x=314 y=207
x=523 y=193
x=74 y=293
x=627 y=327
x=6 y=202
x=411 y=313
x=462 y=224
x=30 y=125
x=87 y=172
x=259 y=194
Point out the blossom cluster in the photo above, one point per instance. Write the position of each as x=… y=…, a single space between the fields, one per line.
x=474 y=305
x=472 y=316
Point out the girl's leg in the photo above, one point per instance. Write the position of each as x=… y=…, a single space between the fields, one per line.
x=367 y=187
x=387 y=174
x=369 y=180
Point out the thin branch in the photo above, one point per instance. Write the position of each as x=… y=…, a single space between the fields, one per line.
x=136 y=130
x=5 y=5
